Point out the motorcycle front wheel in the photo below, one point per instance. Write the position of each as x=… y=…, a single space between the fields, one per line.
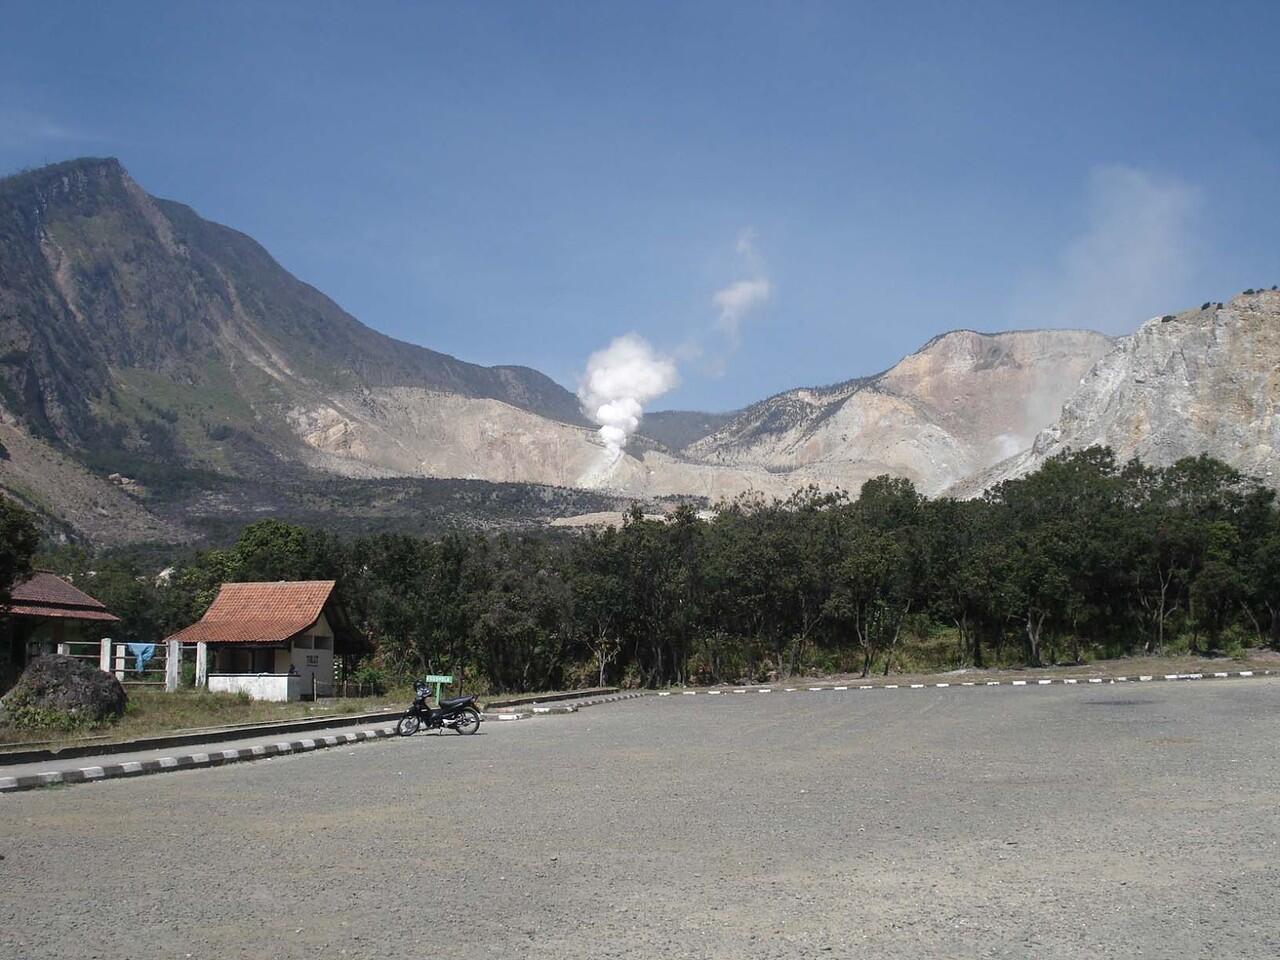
x=468 y=721
x=408 y=725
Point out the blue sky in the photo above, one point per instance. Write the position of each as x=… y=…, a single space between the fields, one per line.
x=520 y=183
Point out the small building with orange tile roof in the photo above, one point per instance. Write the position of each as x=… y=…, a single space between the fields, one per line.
x=43 y=613
x=272 y=641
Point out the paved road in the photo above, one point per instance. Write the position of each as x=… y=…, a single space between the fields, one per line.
x=980 y=822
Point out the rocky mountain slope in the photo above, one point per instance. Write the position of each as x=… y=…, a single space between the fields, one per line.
x=1201 y=381
x=962 y=402
x=128 y=322
x=162 y=376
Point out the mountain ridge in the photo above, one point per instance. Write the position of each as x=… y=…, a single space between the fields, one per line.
x=1204 y=380
x=167 y=359
x=132 y=281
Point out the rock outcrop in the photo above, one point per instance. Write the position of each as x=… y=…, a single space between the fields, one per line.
x=961 y=403
x=62 y=692
x=1201 y=381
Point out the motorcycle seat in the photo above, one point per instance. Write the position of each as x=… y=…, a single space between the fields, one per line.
x=455 y=702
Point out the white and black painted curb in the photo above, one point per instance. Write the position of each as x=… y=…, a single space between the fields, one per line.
x=541 y=710
x=188 y=761
x=1029 y=682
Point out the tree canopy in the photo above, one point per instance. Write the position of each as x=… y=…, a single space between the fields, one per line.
x=19 y=539
x=1085 y=557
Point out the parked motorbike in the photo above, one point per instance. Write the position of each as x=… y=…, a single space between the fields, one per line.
x=458 y=713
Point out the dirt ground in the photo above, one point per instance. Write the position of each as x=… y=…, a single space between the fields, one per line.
x=1056 y=821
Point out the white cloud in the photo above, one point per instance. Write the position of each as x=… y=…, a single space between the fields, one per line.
x=1131 y=262
x=734 y=302
x=737 y=300
x=20 y=127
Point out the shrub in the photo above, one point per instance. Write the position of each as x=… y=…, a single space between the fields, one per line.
x=27 y=716
x=368 y=675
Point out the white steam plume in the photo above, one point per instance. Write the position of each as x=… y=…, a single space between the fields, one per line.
x=619 y=381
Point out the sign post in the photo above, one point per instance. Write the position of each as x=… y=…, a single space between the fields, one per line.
x=439 y=681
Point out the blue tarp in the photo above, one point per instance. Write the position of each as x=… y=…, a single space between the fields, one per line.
x=141 y=652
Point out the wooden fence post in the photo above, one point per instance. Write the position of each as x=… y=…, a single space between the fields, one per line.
x=64 y=649
x=120 y=661
x=172 y=665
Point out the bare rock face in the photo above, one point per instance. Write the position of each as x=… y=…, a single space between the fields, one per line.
x=134 y=334
x=960 y=404
x=1202 y=381
x=60 y=691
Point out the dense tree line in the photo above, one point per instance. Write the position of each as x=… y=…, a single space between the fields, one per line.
x=18 y=542
x=1083 y=558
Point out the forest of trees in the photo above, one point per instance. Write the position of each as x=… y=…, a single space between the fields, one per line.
x=1085 y=558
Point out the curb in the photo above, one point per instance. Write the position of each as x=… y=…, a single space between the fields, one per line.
x=216 y=758
x=534 y=710
x=197 y=735
x=525 y=700
x=1029 y=682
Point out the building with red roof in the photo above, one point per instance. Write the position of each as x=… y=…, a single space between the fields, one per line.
x=273 y=641
x=43 y=612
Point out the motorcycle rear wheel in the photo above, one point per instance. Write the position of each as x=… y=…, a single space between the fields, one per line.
x=408 y=725
x=468 y=721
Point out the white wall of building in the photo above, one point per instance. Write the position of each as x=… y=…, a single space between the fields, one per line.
x=310 y=655
x=274 y=687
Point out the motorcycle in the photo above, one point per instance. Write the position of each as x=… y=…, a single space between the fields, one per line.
x=458 y=713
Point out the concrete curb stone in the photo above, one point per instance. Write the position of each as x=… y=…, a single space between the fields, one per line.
x=526 y=699
x=1028 y=682
x=536 y=708
x=215 y=758
x=186 y=738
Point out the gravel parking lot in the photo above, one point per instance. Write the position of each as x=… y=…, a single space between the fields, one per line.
x=1110 y=821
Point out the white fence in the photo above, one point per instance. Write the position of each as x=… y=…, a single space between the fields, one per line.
x=163 y=669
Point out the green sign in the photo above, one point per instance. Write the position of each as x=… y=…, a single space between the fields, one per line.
x=439 y=681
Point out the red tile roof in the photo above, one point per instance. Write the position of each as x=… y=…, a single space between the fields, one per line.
x=46 y=595
x=259 y=612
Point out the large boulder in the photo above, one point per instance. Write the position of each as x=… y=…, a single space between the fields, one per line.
x=62 y=692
